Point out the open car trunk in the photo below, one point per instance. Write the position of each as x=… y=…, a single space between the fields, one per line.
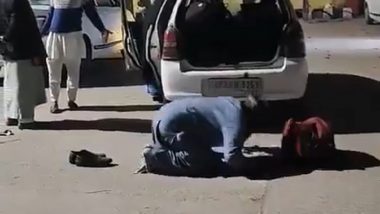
x=213 y=36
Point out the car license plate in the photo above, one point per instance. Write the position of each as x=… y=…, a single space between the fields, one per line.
x=232 y=87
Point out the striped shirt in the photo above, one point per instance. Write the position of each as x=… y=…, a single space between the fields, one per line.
x=65 y=16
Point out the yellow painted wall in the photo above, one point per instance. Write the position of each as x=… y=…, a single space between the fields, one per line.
x=322 y=3
x=297 y=4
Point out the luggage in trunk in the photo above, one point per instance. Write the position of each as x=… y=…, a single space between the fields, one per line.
x=214 y=37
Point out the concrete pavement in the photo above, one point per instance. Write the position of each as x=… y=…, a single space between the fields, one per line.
x=35 y=176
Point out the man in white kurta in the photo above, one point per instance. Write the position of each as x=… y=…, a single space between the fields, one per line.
x=65 y=44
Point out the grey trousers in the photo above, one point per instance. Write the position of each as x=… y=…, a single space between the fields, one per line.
x=171 y=156
x=23 y=90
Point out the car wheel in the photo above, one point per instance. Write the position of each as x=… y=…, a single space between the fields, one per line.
x=367 y=17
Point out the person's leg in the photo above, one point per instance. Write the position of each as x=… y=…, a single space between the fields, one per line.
x=73 y=74
x=10 y=93
x=162 y=160
x=25 y=94
x=31 y=91
x=26 y=114
x=151 y=85
x=73 y=46
x=179 y=157
x=55 y=73
x=54 y=64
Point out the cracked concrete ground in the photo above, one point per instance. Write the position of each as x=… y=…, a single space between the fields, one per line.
x=35 y=176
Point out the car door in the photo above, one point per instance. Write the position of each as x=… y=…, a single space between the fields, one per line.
x=109 y=12
x=163 y=11
x=143 y=48
x=374 y=7
x=131 y=32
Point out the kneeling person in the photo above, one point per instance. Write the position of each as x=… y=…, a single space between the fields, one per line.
x=199 y=136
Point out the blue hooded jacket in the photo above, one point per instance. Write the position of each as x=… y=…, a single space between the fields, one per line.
x=65 y=16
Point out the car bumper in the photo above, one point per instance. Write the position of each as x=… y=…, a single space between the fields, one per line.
x=285 y=83
x=375 y=17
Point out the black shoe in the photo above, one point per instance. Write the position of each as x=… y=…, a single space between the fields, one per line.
x=89 y=159
x=11 y=122
x=54 y=108
x=31 y=125
x=73 y=155
x=93 y=162
x=72 y=105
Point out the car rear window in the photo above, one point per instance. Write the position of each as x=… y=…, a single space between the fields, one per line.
x=236 y=7
x=99 y=3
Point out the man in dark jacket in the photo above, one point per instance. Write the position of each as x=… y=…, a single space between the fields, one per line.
x=24 y=54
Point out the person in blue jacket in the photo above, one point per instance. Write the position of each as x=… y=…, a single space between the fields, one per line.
x=65 y=44
x=200 y=136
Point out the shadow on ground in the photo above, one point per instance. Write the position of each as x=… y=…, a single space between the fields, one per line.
x=111 y=124
x=106 y=166
x=271 y=167
x=124 y=108
x=103 y=73
x=108 y=73
x=351 y=103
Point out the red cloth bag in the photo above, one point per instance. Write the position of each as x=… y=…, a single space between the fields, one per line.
x=309 y=139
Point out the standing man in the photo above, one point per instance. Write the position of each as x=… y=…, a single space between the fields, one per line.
x=65 y=44
x=148 y=18
x=24 y=54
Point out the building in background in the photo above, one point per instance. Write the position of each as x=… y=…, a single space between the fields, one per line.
x=309 y=6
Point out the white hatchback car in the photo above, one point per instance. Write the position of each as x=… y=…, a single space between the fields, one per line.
x=253 y=48
x=372 y=11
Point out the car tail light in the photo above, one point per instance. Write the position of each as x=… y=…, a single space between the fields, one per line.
x=170 y=51
x=294 y=41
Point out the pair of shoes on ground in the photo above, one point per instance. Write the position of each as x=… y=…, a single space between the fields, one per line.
x=89 y=159
x=21 y=126
x=54 y=109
